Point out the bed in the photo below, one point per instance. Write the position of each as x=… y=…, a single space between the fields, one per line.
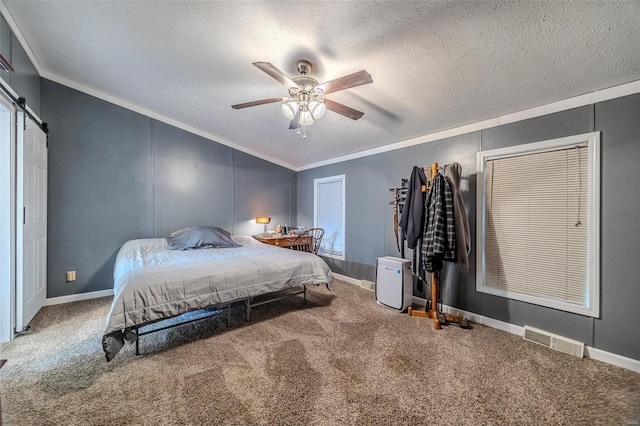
x=154 y=283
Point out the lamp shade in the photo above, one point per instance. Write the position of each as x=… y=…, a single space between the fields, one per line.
x=317 y=109
x=290 y=109
x=263 y=220
x=306 y=119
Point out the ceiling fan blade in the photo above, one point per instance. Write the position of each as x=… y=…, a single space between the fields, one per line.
x=352 y=80
x=343 y=109
x=276 y=73
x=260 y=102
x=295 y=123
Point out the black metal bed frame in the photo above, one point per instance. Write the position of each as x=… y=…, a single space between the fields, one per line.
x=220 y=309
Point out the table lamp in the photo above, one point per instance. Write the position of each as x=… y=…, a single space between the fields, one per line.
x=265 y=221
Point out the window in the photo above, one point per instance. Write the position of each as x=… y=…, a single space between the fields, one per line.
x=329 y=214
x=538 y=223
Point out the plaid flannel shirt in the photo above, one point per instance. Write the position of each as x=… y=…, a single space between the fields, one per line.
x=439 y=237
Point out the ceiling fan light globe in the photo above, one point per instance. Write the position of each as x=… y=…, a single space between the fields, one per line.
x=290 y=109
x=306 y=119
x=317 y=109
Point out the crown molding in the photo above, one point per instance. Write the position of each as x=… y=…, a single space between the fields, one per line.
x=159 y=117
x=563 y=105
x=121 y=102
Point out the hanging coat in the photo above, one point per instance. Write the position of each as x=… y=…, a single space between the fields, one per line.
x=439 y=237
x=412 y=219
x=453 y=172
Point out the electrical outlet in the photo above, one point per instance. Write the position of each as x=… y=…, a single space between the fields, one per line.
x=71 y=276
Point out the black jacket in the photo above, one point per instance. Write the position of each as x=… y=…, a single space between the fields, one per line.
x=412 y=220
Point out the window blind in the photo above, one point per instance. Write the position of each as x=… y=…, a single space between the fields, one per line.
x=330 y=215
x=536 y=242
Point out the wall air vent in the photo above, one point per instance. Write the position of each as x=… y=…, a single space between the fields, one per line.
x=5 y=65
x=553 y=341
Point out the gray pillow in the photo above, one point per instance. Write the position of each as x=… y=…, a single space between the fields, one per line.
x=200 y=237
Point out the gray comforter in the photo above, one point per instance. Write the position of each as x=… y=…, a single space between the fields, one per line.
x=152 y=282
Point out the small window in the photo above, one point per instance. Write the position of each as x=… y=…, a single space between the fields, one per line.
x=329 y=214
x=538 y=223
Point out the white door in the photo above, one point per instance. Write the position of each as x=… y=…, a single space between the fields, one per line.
x=31 y=197
x=7 y=219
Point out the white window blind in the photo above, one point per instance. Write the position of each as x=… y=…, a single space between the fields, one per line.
x=329 y=214
x=539 y=225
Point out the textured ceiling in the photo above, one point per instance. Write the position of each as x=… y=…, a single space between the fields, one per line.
x=435 y=65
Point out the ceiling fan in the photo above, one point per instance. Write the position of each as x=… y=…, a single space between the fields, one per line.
x=306 y=102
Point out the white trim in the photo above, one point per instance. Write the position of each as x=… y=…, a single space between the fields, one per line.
x=120 y=102
x=16 y=96
x=613 y=359
x=346 y=279
x=77 y=297
x=343 y=181
x=593 y=276
x=9 y=88
x=7 y=225
x=20 y=220
x=18 y=34
x=456 y=131
x=574 y=102
x=608 y=93
x=148 y=113
x=563 y=105
x=477 y=318
x=593 y=353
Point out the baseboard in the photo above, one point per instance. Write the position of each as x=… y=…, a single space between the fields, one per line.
x=477 y=318
x=593 y=353
x=77 y=297
x=613 y=359
x=347 y=279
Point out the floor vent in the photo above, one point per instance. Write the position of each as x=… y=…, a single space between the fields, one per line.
x=369 y=285
x=553 y=341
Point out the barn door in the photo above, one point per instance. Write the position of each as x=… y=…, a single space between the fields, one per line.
x=31 y=201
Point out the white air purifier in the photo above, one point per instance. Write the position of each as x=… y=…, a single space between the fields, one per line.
x=394 y=283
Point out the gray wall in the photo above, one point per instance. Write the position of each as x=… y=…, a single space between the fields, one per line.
x=618 y=120
x=24 y=80
x=369 y=230
x=115 y=175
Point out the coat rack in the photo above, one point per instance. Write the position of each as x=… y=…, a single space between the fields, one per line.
x=439 y=318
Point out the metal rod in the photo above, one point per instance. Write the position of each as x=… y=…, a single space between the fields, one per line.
x=144 y=333
x=277 y=298
x=21 y=102
x=139 y=333
x=213 y=314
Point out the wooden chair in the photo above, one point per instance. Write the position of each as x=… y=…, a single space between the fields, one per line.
x=316 y=235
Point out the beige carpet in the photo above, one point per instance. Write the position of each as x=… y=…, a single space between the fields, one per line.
x=342 y=359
